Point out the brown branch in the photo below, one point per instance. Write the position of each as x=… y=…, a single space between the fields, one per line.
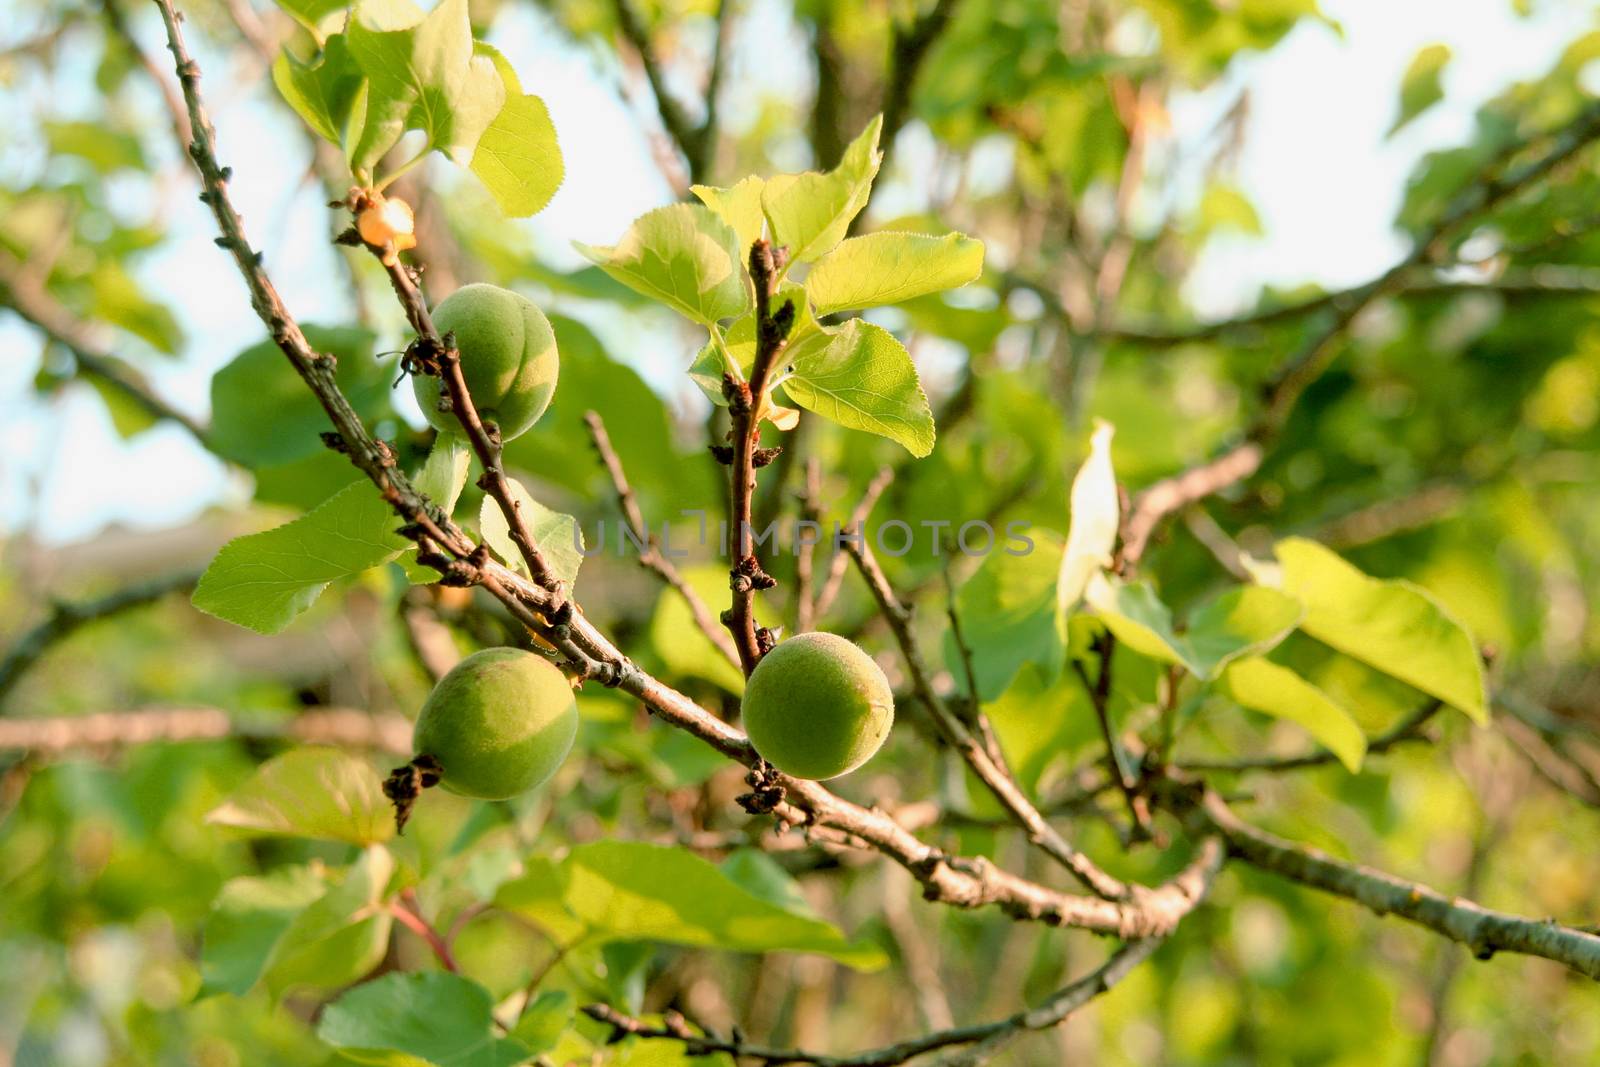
x=1481 y=929
x=430 y=640
x=483 y=437
x=651 y=557
x=1411 y=728
x=992 y=774
x=27 y=296
x=100 y=731
x=1051 y=1013
x=746 y=403
x=952 y=880
x=1289 y=383
x=66 y=617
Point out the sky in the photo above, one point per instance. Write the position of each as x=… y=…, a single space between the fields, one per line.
x=1324 y=180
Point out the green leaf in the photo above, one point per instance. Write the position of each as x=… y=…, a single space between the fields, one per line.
x=119 y=300
x=1264 y=686
x=435 y=1017
x=263 y=581
x=324 y=92
x=630 y=891
x=1422 y=85
x=686 y=257
x=811 y=213
x=517 y=157
x=559 y=539
x=247 y=920
x=342 y=936
x=1009 y=619
x=298 y=929
x=1391 y=625
x=262 y=413
x=106 y=150
x=422 y=75
x=887 y=268
x=682 y=646
x=1096 y=518
x=314 y=792
x=1239 y=622
x=739 y=206
x=311 y=13
x=863 y=379
x=544 y=1020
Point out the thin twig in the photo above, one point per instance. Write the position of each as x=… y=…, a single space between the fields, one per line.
x=406 y=910
x=1051 y=1013
x=66 y=617
x=101 y=731
x=651 y=557
x=1291 y=380
x=992 y=774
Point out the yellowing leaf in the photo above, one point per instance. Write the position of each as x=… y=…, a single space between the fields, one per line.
x=887 y=268
x=1096 y=513
x=1391 y=625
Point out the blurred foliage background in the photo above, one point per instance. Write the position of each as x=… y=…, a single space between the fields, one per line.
x=1452 y=442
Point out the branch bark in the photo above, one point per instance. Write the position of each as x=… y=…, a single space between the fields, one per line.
x=1481 y=929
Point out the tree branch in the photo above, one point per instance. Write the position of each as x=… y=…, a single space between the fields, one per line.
x=99 y=731
x=1051 y=1013
x=747 y=401
x=998 y=780
x=1481 y=929
x=28 y=297
x=66 y=617
x=1285 y=388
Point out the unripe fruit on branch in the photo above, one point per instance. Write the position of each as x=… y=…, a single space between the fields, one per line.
x=508 y=357
x=817 y=706
x=498 y=724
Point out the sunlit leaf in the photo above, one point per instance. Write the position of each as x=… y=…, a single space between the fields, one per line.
x=1096 y=514
x=810 y=213
x=686 y=257
x=863 y=379
x=1264 y=686
x=314 y=792
x=1391 y=625
x=887 y=268
x=630 y=891
x=517 y=157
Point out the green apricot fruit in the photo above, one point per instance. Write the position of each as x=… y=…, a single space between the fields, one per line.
x=498 y=724
x=508 y=357
x=817 y=706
